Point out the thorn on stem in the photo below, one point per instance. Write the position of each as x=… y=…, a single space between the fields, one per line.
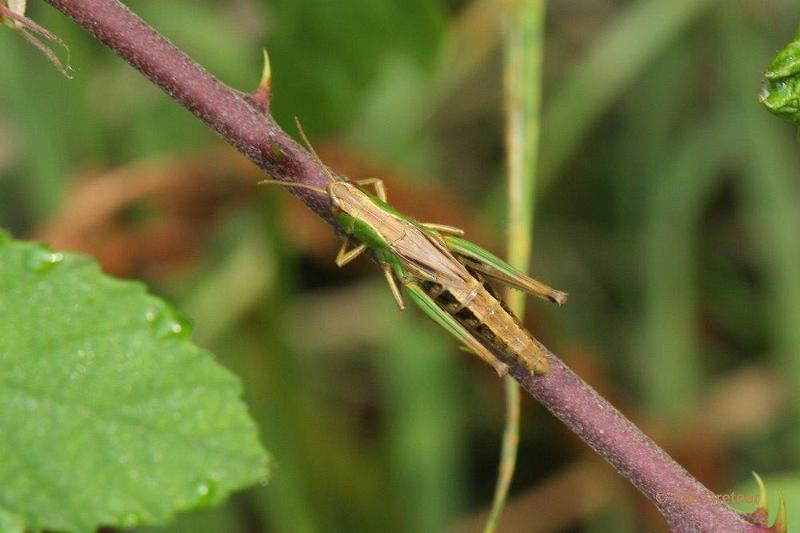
x=760 y=516
x=261 y=96
x=781 y=524
x=763 y=502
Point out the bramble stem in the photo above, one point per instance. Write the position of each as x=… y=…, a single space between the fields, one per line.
x=252 y=131
x=686 y=504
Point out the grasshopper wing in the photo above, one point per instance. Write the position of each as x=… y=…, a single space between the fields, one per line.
x=441 y=317
x=498 y=270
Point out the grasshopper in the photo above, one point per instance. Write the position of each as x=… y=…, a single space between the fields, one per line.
x=442 y=273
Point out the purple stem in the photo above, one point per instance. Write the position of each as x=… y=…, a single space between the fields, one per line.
x=687 y=505
x=684 y=501
x=239 y=121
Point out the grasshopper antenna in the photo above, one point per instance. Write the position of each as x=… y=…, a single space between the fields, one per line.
x=291 y=184
x=311 y=149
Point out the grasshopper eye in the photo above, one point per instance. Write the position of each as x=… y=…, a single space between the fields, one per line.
x=336 y=201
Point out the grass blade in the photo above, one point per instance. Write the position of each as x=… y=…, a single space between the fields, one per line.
x=642 y=31
x=523 y=66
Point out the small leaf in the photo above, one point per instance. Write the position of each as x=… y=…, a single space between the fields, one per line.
x=12 y=14
x=786 y=63
x=109 y=414
x=15 y=6
x=780 y=91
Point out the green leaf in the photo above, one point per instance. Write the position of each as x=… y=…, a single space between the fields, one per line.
x=780 y=92
x=109 y=415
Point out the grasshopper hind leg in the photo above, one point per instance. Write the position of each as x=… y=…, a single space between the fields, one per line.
x=449 y=323
x=499 y=367
x=398 y=297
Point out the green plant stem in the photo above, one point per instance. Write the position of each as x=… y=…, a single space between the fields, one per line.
x=523 y=66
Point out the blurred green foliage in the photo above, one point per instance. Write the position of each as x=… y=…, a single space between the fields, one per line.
x=670 y=213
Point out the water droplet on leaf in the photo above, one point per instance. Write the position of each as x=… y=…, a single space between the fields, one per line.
x=167 y=323
x=205 y=491
x=40 y=259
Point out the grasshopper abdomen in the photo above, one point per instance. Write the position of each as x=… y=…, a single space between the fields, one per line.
x=485 y=315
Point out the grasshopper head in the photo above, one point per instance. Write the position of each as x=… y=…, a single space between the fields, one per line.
x=341 y=196
x=338 y=191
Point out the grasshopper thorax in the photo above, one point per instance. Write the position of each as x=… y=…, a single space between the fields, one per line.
x=341 y=193
x=346 y=198
x=347 y=204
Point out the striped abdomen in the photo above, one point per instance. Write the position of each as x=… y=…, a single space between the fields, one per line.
x=478 y=308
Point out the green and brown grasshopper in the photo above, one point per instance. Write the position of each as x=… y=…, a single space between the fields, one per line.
x=449 y=278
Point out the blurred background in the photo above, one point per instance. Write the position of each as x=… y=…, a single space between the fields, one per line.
x=668 y=205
